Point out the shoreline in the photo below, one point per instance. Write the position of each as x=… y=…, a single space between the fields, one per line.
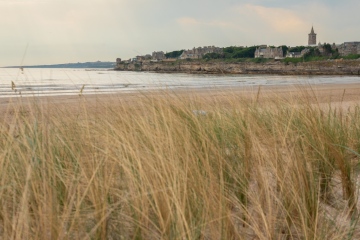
x=335 y=94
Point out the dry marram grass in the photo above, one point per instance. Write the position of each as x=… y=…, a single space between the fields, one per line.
x=157 y=169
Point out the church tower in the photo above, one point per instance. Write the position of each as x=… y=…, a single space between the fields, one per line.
x=312 y=37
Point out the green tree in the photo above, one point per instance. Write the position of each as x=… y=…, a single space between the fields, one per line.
x=284 y=49
x=174 y=54
x=239 y=52
x=297 y=49
x=213 y=56
x=327 y=49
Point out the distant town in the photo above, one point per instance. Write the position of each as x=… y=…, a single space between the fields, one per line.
x=313 y=51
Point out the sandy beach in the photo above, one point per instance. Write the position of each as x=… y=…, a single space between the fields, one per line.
x=344 y=95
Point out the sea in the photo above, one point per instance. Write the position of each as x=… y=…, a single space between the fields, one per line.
x=52 y=82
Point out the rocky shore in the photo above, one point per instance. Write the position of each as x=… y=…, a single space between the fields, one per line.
x=330 y=67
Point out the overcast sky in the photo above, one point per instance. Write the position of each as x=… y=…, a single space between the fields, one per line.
x=62 y=31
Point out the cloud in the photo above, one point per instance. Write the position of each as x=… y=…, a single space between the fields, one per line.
x=280 y=20
x=188 y=22
x=193 y=22
x=248 y=24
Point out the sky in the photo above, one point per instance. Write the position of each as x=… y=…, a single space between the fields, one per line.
x=64 y=31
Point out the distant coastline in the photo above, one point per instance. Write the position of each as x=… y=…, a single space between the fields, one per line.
x=97 y=64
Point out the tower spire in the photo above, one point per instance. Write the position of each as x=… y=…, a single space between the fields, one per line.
x=312 y=37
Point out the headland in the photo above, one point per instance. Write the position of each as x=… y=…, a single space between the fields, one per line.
x=327 y=67
x=313 y=59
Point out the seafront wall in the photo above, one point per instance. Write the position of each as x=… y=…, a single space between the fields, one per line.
x=334 y=67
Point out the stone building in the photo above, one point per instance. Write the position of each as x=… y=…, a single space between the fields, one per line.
x=297 y=54
x=349 y=48
x=199 y=52
x=312 y=37
x=143 y=58
x=344 y=49
x=158 y=55
x=268 y=52
x=305 y=51
x=321 y=48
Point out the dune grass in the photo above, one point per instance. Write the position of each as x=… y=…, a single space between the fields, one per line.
x=158 y=169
